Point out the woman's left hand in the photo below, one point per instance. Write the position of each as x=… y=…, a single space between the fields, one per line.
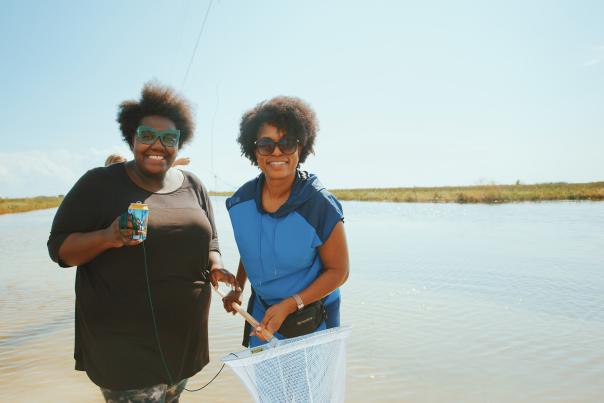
x=224 y=276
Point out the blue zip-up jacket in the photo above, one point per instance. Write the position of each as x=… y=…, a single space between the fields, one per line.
x=280 y=250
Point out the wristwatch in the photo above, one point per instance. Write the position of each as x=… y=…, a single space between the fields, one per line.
x=298 y=300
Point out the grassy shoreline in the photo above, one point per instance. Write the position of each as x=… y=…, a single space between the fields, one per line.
x=21 y=205
x=489 y=194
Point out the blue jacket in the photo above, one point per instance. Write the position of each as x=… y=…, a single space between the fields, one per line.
x=280 y=250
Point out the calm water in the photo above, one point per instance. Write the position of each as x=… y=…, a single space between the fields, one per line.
x=447 y=303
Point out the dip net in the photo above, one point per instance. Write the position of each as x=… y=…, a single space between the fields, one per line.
x=309 y=368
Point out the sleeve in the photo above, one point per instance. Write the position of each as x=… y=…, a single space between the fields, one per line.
x=332 y=214
x=323 y=213
x=77 y=213
x=207 y=206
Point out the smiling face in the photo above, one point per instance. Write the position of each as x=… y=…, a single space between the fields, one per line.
x=277 y=165
x=154 y=159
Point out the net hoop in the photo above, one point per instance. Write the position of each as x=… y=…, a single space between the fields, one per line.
x=281 y=347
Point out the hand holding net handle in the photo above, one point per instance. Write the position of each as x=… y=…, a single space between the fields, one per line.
x=249 y=318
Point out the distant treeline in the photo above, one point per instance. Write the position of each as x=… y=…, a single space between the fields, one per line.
x=462 y=194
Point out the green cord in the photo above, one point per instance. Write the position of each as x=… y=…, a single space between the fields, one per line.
x=161 y=353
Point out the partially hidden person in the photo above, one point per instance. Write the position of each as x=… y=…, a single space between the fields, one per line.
x=114 y=159
x=118 y=158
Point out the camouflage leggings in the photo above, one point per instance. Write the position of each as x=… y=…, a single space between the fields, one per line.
x=161 y=393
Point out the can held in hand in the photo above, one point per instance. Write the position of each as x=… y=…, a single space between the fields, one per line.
x=139 y=215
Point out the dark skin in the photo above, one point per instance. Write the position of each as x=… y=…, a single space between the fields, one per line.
x=280 y=170
x=150 y=170
x=151 y=167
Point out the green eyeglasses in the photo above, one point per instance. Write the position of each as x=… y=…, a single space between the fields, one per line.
x=148 y=135
x=287 y=145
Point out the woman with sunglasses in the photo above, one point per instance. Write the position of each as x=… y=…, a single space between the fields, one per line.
x=288 y=227
x=141 y=307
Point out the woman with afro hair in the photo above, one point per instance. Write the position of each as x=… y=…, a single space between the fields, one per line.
x=141 y=314
x=288 y=228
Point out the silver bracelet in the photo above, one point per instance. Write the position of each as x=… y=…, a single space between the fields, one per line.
x=299 y=301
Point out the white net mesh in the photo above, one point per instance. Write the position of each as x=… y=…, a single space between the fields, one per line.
x=309 y=368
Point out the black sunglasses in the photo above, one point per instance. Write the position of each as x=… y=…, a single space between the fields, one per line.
x=287 y=145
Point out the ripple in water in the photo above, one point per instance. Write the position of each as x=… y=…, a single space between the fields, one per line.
x=446 y=303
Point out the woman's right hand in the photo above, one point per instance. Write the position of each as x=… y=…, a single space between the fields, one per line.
x=81 y=247
x=233 y=296
x=118 y=237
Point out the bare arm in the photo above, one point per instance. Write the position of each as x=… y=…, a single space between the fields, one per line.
x=218 y=272
x=81 y=247
x=181 y=161
x=241 y=275
x=334 y=255
x=215 y=260
x=235 y=295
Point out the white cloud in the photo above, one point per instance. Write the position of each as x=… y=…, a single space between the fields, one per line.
x=49 y=172
x=596 y=57
x=592 y=62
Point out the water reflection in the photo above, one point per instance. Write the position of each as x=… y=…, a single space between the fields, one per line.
x=446 y=302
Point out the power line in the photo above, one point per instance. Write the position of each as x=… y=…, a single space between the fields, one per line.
x=212 y=136
x=203 y=25
x=224 y=182
x=184 y=80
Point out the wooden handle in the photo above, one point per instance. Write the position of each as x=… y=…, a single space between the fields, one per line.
x=249 y=318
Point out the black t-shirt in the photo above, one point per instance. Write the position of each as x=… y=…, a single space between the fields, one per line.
x=115 y=339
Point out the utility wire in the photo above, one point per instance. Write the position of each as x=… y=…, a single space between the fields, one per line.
x=203 y=25
x=216 y=176
x=212 y=137
x=184 y=80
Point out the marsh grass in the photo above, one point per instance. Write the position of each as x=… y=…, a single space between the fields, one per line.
x=478 y=194
x=489 y=194
x=27 y=204
x=22 y=205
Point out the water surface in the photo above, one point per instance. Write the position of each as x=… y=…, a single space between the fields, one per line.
x=447 y=302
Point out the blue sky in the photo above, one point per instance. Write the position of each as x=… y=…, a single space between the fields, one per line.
x=407 y=93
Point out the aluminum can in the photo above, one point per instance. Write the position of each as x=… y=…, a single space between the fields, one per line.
x=139 y=215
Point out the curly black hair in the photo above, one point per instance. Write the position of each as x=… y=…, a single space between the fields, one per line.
x=159 y=100
x=289 y=114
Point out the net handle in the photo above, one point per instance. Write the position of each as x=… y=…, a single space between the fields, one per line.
x=249 y=318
